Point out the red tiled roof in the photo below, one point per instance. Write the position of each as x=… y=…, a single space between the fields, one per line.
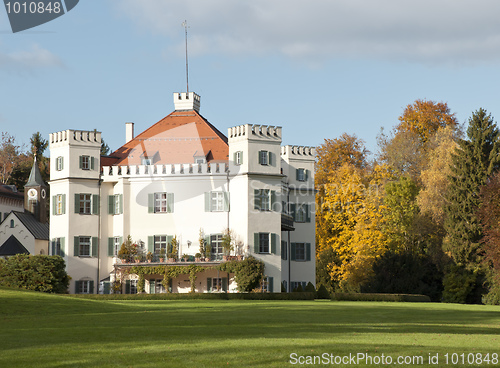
x=175 y=139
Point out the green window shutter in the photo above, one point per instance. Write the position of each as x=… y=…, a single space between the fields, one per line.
x=169 y=243
x=62 y=163
x=308 y=212
x=224 y=284
x=81 y=162
x=207 y=201
x=307 y=175
x=77 y=203
x=308 y=251
x=270 y=159
x=111 y=204
x=151 y=203
x=226 y=201
x=77 y=287
x=120 y=210
x=95 y=204
x=170 y=202
x=127 y=286
x=234 y=157
x=256 y=243
x=76 y=248
x=256 y=199
x=111 y=245
x=92 y=163
x=297 y=174
x=292 y=252
x=270 y=283
x=54 y=207
x=94 y=245
x=91 y=286
x=121 y=240
x=63 y=204
x=274 y=242
x=275 y=205
x=151 y=244
x=152 y=285
x=209 y=284
x=241 y=157
x=52 y=247
x=63 y=247
x=292 y=210
x=260 y=157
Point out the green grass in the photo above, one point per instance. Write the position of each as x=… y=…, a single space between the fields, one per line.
x=41 y=330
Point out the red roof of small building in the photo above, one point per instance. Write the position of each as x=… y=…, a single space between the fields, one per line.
x=175 y=139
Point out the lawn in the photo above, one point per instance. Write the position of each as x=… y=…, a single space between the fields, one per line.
x=41 y=330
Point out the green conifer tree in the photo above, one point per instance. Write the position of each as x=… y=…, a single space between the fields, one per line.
x=476 y=158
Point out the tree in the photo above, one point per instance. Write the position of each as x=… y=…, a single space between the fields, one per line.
x=432 y=197
x=476 y=159
x=9 y=153
x=38 y=146
x=104 y=148
x=424 y=118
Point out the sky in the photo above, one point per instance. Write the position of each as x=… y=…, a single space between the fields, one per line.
x=318 y=68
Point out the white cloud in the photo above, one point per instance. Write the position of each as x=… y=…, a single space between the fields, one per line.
x=28 y=60
x=428 y=31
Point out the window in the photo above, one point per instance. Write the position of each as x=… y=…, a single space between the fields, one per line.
x=267 y=284
x=84 y=287
x=160 y=242
x=59 y=204
x=156 y=286
x=84 y=246
x=301 y=175
x=300 y=252
x=284 y=250
x=85 y=204
x=295 y=284
x=238 y=158
x=265 y=243
x=216 y=201
x=59 y=163
x=114 y=245
x=131 y=286
x=146 y=161
x=115 y=204
x=217 y=284
x=264 y=199
x=265 y=158
x=216 y=246
x=11 y=224
x=161 y=202
x=57 y=247
x=301 y=212
x=85 y=162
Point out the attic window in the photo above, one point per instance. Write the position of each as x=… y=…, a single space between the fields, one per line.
x=11 y=224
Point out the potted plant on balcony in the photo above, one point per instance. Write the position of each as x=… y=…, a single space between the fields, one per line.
x=185 y=258
x=227 y=243
x=197 y=257
x=208 y=252
x=137 y=258
x=173 y=256
x=162 y=254
x=149 y=257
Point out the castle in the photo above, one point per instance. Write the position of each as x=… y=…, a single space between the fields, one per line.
x=179 y=185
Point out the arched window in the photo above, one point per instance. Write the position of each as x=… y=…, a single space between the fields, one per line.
x=11 y=224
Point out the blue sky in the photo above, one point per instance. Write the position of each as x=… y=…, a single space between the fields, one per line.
x=318 y=68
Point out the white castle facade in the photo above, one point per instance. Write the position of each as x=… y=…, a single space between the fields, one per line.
x=182 y=179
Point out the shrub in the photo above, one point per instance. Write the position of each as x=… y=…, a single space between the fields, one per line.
x=322 y=293
x=38 y=273
x=248 y=273
x=373 y=297
x=310 y=288
x=192 y=296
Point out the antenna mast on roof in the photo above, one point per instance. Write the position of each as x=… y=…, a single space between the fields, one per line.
x=185 y=25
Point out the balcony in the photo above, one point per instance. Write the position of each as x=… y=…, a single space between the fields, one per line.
x=286 y=222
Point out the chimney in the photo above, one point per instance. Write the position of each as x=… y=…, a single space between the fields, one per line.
x=129 y=132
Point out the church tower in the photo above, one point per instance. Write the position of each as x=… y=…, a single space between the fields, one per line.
x=35 y=195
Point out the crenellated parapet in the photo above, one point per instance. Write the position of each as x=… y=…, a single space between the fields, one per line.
x=255 y=132
x=187 y=101
x=298 y=152
x=75 y=137
x=113 y=173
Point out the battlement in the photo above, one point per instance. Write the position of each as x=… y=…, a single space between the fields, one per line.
x=264 y=132
x=75 y=137
x=187 y=101
x=113 y=173
x=299 y=152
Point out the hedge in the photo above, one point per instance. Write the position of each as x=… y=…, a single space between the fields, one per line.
x=192 y=296
x=372 y=297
